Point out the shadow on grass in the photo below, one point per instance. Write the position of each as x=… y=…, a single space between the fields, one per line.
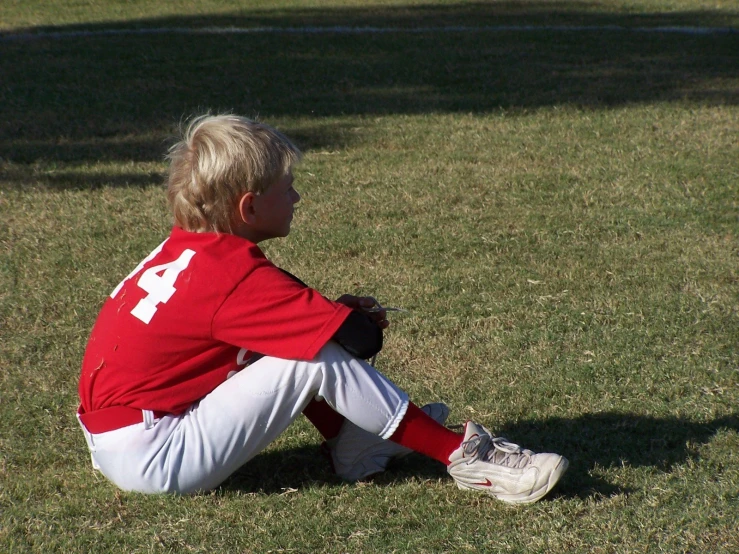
x=276 y=472
x=80 y=99
x=591 y=441
x=77 y=180
x=608 y=440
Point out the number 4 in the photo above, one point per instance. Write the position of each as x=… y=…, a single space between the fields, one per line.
x=137 y=269
x=160 y=287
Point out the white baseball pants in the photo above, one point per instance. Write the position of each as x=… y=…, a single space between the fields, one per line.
x=199 y=449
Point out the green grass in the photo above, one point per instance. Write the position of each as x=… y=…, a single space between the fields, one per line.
x=557 y=210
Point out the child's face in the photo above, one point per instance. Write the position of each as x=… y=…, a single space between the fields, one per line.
x=274 y=209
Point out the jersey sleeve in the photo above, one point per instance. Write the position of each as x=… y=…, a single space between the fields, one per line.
x=273 y=314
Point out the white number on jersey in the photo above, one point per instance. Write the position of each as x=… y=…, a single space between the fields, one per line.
x=160 y=287
x=138 y=268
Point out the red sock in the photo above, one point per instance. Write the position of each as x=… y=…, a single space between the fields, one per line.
x=324 y=418
x=421 y=433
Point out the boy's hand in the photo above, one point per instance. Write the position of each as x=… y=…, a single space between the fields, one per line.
x=367 y=305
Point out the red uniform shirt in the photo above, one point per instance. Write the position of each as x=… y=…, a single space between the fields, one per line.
x=192 y=313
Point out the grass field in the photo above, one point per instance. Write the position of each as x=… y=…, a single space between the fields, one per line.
x=557 y=208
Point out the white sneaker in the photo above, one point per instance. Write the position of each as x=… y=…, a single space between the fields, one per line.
x=357 y=454
x=503 y=469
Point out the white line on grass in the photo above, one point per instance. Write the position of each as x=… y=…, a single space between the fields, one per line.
x=358 y=30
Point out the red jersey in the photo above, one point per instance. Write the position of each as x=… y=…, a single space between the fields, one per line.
x=192 y=313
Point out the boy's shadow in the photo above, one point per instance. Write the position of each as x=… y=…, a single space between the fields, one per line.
x=601 y=440
x=277 y=472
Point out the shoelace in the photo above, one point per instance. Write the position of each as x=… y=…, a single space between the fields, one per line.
x=496 y=450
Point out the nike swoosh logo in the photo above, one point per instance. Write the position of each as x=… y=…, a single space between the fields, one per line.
x=485 y=483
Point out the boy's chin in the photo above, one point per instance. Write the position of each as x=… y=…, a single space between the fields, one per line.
x=280 y=235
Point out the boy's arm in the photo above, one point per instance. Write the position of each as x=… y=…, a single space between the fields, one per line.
x=360 y=334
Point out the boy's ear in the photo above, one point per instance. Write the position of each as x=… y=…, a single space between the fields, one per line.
x=246 y=208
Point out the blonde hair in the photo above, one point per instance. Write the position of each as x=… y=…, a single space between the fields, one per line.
x=218 y=160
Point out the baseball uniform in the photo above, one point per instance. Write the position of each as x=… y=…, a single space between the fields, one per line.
x=173 y=342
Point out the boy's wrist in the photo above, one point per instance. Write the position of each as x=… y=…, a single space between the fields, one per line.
x=368 y=306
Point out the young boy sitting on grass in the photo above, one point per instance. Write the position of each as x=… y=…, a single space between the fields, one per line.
x=207 y=351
